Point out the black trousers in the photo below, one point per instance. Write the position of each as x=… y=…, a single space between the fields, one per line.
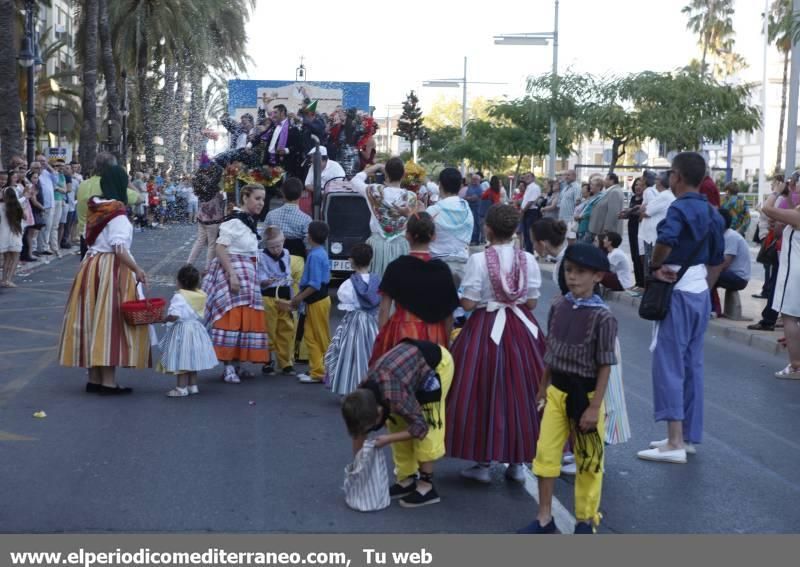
x=769 y=316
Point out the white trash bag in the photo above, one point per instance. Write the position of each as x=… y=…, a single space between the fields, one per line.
x=366 y=482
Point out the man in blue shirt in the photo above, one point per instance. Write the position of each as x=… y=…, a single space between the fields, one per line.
x=314 y=293
x=691 y=234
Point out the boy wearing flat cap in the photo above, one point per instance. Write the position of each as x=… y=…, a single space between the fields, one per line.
x=580 y=352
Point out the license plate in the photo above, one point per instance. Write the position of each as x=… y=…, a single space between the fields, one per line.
x=341 y=266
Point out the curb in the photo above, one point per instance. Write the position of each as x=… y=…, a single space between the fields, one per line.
x=763 y=341
x=758 y=340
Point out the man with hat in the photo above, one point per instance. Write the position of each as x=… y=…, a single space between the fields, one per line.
x=690 y=238
x=581 y=342
x=329 y=170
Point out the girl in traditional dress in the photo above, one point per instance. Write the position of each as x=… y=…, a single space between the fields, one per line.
x=186 y=347
x=499 y=356
x=234 y=312
x=347 y=359
x=12 y=225
x=420 y=289
x=94 y=334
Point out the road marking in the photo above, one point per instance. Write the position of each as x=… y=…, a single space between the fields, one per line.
x=164 y=261
x=6 y=436
x=34 y=331
x=57 y=306
x=11 y=388
x=565 y=522
x=37 y=290
x=24 y=350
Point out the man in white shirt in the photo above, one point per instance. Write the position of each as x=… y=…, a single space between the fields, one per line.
x=530 y=209
x=657 y=199
x=47 y=181
x=454 y=223
x=620 y=277
x=736 y=267
x=330 y=169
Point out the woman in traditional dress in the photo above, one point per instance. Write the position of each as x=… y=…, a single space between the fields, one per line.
x=390 y=206
x=499 y=356
x=420 y=289
x=234 y=311
x=94 y=334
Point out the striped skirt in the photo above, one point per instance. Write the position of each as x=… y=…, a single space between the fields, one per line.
x=491 y=407
x=186 y=347
x=618 y=428
x=236 y=321
x=347 y=358
x=94 y=332
x=404 y=324
x=384 y=252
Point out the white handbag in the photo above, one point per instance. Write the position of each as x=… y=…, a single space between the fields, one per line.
x=366 y=482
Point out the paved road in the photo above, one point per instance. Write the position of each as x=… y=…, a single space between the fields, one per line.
x=214 y=462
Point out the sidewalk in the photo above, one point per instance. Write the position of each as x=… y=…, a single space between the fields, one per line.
x=735 y=331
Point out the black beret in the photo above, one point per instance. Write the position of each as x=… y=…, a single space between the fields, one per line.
x=587 y=256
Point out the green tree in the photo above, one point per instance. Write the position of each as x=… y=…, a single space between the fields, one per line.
x=411 y=123
x=441 y=145
x=779 y=29
x=712 y=21
x=88 y=56
x=447 y=112
x=682 y=109
x=10 y=109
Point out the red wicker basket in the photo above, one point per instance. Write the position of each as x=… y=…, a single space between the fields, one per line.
x=144 y=311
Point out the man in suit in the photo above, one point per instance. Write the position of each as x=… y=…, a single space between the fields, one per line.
x=605 y=213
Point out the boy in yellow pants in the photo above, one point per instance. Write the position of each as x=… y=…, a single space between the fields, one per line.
x=314 y=293
x=580 y=352
x=406 y=390
x=275 y=277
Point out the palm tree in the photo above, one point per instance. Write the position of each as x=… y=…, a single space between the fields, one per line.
x=88 y=57
x=108 y=64
x=712 y=20
x=780 y=30
x=11 y=107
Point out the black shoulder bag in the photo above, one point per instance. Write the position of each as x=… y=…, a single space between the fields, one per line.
x=657 y=294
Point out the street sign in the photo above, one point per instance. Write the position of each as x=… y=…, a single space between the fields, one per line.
x=67 y=121
x=56 y=153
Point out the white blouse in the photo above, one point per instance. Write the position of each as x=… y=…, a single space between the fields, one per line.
x=238 y=237
x=348 y=301
x=476 y=285
x=118 y=232
x=180 y=308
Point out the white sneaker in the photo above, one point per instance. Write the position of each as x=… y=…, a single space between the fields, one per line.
x=690 y=447
x=677 y=456
x=788 y=373
x=232 y=378
x=479 y=473
x=178 y=393
x=569 y=468
x=568 y=458
x=516 y=472
x=306 y=379
x=193 y=390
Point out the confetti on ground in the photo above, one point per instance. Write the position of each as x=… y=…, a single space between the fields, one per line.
x=40 y=414
x=251 y=402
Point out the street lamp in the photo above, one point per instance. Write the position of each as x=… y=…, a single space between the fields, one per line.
x=541 y=39
x=28 y=58
x=449 y=83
